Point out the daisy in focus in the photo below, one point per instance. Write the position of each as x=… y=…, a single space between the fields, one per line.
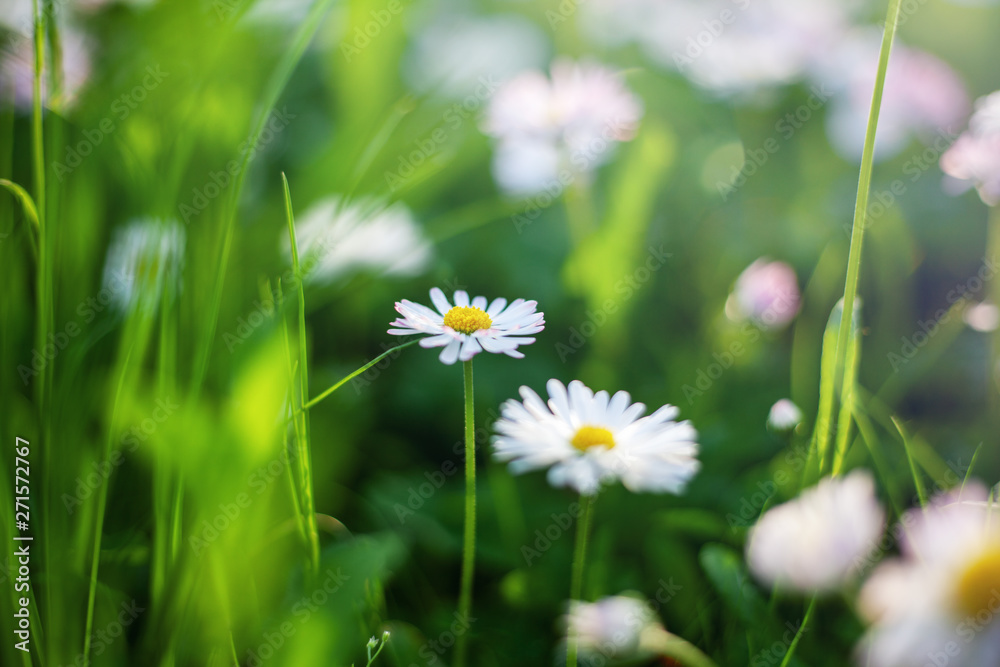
x=551 y=129
x=587 y=439
x=939 y=602
x=814 y=542
x=470 y=326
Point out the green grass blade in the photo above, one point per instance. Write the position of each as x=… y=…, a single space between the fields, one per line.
x=340 y=383
x=864 y=186
x=275 y=86
x=304 y=455
x=972 y=464
x=917 y=479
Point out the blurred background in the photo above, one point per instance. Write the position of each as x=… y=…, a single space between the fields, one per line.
x=672 y=180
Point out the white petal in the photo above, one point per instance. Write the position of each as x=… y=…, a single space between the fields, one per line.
x=470 y=348
x=440 y=301
x=479 y=302
x=450 y=353
x=462 y=299
x=496 y=307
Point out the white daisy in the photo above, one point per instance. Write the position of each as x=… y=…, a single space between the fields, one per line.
x=974 y=159
x=784 y=415
x=586 y=439
x=470 y=326
x=815 y=542
x=612 y=627
x=568 y=122
x=939 y=602
x=336 y=238
x=144 y=258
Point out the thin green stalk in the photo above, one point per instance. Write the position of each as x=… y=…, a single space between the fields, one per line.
x=305 y=467
x=798 y=634
x=864 y=187
x=293 y=484
x=846 y=403
x=340 y=383
x=579 y=562
x=276 y=85
x=679 y=650
x=918 y=481
x=972 y=464
x=469 y=539
x=102 y=501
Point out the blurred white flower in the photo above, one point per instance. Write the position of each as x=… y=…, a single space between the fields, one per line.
x=567 y=123
x=784 y=415
x=144 y=260
x=814 y=542
x=939 y=600
x=732 y=47
x=336 y=238
x=611 y=627
x=470 y=326
x=17 y=69
x=455 y=55
x=586 y=439
x=923 y=97
x=975 y=157
x=983 y=317
x=767 y=293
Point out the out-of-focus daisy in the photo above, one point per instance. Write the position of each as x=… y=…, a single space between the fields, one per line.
x=144 y=260
x=974 y=159
x=612 y=627
x=814 y=542
x=983 y=317
x=943 y=592
x=767 y=293
x=923 y=97
x=17 y=69
x=471 y=325
x=458 y=56
x=586 y=439
x=336 y=238
x=731 y=47
x=784 y=415
x=573 y=118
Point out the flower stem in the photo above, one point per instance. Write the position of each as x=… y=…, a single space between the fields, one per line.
x=798 y=634
x=579 y=561
x=469 y=541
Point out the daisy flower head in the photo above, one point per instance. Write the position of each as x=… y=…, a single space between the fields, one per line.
x=974 y=158
x=943 y=593
x=144 y=260
x=766 y=293
x=470 y=325
x=815 y=542
x=612 y=627
x=586 y=439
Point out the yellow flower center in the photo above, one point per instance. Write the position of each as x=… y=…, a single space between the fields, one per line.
x=979 y=585
x=592 y=436
x=467 y=319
